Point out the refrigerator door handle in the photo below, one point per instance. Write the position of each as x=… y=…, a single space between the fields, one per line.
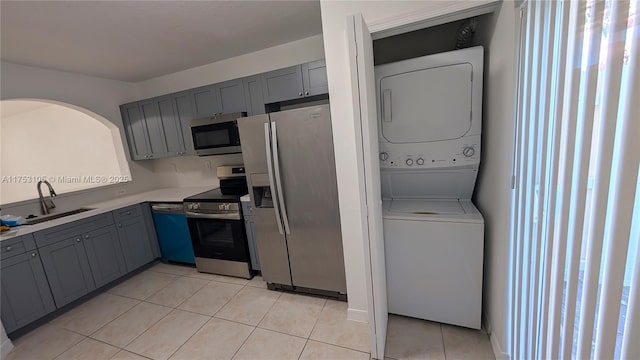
x=272 y=183
x=276 y=163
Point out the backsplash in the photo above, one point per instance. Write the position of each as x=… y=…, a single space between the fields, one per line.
x=188 y=171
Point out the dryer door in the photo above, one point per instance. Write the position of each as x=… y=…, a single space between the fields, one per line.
x=426 y=105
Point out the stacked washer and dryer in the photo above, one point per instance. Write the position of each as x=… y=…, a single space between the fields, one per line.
x=430 y=122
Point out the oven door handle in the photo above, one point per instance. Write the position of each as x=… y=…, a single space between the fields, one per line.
x=272 y=181
x=226 y=216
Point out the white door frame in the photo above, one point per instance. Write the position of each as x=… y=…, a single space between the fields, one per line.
x=381 y=28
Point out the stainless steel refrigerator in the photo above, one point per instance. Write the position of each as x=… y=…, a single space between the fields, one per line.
x=289 y=161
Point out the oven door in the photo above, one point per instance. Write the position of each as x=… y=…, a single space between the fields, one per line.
x=216 y=238
x=215 y=138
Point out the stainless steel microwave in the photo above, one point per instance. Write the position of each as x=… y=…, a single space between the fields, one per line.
x=216 y=135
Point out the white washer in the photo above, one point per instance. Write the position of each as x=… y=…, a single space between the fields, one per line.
x=433 y=253
x=429 y=135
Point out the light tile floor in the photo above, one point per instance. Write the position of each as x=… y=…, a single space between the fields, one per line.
x=174 y=312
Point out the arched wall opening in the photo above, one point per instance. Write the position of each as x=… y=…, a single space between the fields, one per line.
x=69 y=146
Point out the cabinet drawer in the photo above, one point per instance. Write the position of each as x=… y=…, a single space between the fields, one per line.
x=127 y=212
x=66 y=231
x=18 y=245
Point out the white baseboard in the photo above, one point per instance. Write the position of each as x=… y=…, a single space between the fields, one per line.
x=497 y=349
x=495 y=344
x=358 y=315
x=5 y=348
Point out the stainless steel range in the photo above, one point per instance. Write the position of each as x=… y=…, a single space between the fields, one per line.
x=217 y=228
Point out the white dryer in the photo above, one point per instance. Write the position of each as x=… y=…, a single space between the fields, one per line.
x=429 y=136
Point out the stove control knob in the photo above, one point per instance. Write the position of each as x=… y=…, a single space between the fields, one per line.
x=468 y=151
x=196 y=206
x=189 y=206
x=409 y=162
x=384 y=156
x=420 y=161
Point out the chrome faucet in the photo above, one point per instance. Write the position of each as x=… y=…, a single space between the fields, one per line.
x=47 y=203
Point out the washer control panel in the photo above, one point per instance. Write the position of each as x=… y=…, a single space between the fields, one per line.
x=434 y=155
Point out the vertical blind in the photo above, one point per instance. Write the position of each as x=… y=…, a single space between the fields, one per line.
x=575 y=277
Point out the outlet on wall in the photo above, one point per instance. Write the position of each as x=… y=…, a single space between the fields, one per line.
x=120 y=192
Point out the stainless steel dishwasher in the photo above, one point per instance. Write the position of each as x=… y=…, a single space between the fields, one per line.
x=173 y=232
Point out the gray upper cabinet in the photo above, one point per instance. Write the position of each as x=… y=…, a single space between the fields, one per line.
x=183 y=107
x=231 y=98
x=314 y=77
x=282 y=84
x=205 y=100
x=135 y=130
x=105 y=255
x=135 y=242
x=156 y=137
x=159 y=127
x=26 y=296
x=253 y=95
x=171 y=126
x=67 y=268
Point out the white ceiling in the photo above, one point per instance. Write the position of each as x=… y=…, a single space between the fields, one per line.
x=138 y=40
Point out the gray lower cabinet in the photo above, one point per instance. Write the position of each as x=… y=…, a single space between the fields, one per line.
x=26 y=296
x=105 y=256
x=314 y=78
x=251 y=235
x=135 y=242
x=67 y=268
x=282 y=84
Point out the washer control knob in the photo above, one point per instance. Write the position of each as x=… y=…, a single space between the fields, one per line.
x=468 y=151
x=409 y=162
x=384 y=156
x=420 y=161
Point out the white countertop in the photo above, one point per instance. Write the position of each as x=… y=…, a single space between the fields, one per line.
x=158 y=195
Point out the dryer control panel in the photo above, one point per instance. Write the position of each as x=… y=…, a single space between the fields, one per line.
x=452 y=153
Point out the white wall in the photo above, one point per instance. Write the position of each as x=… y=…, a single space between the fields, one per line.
x=277 y=57
x=56 y=143
x=493 y=190
x=381 y=16
x=97 y=95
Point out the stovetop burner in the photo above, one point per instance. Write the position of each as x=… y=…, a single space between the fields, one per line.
x=214 y=195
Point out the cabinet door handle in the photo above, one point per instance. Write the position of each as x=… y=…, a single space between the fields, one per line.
x=86 y=236
x=8 y=248
x=33 y=254
x=300 y=93
x=119 y=225
x=128 y=212
x=306 y=93
x=78 y=240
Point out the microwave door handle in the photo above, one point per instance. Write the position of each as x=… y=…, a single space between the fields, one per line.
x=276 y=163
x=272 y=183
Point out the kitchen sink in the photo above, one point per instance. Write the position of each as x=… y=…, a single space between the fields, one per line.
x=41 y=219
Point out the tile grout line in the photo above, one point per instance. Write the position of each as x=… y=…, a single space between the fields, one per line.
x=304 y=347
x=444 y=348
x=192 y=335
x=241 y=345
x=318 y=318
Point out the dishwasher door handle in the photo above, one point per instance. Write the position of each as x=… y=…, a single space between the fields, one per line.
x=168 y=208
